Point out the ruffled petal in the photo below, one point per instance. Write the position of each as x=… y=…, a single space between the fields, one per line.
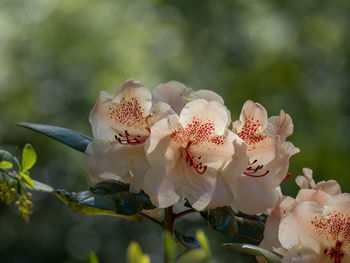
x=199 y=189
x=256 y=111
x=271 y=241
x=331 y=187
x=339 y=203
x=165 y=177
x=173 y=93
x=296 y=227
x=210 y=113
x=283 y=125
x=208 y=95
x=127 y=110
x=299 y=254
x=251 y=197
x=319 y=197
x=103 y=159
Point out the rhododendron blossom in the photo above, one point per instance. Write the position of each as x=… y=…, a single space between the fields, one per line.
x=121 y=125
x=257 y=188
x=319 y=194
x=324 y=230
x=187 y=154
x=177 y=95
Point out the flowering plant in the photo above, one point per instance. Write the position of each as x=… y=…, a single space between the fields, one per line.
x=164 y=154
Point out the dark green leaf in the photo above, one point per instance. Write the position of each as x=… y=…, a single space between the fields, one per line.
x=90 y=204
x=270 y=256
x=188 y=241
x=225 y=220
x=5 y=156
x=222 y=219
x=109 y=187
x=107 y=197
x=68 y=137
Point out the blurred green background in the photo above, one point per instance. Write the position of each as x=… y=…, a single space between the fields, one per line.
x=55 y=56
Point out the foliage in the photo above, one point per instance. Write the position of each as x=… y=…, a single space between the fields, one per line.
x=14 y=182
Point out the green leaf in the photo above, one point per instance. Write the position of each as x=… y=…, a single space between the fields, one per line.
x=39 y=186
x=170 y=246
x=135 y=255
x=197 y=255
x=270 y=256
x=28 y=157
x=88 y=203
x=26 y=180
x=73 y=139
x=5 y=156
x=188 y=241
x=226 y=221
x=92 y=257
x=222 y=219
x=5 y=164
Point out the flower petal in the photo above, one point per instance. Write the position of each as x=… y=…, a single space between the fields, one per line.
x=331 y=187
x=271 y=240
x=208 y=95
x=299 y=254
x=283 y=125
x=209 y=112
x=173 y=93
x=296 y=228
x=125 y=110
x=165 y=177
x=117 y=159
x=256 y=111
x=319 y=197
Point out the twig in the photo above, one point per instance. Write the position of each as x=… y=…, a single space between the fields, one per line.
x=184 y=213
x=151 y=219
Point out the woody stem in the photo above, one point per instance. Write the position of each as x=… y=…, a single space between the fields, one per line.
x=168 y=226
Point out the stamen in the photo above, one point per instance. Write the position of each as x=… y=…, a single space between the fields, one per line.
x=193 y=160
x=128 y=139
x=252 y=172
x=335 y=253
x=285 y=178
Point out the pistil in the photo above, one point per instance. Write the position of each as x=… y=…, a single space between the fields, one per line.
x=192 y=160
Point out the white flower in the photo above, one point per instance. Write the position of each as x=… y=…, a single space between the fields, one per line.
x=257 y=189
x=187 y=155
x=121 y=125
x=307 y=182
x=285 y=205
x=324 y=231
x=177 y=95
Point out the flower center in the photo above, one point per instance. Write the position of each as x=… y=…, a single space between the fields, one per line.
x=126 y=139
x=249 y=133
x=335 y=253
x=199 y=133
x=334 y=228
x=255 y=171
x=129 y=113
x=192 y=160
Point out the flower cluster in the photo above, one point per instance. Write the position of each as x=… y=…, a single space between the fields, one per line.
x=176 y=144
x=313 y=227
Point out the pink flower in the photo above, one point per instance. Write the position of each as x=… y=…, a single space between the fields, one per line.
x=187 y=155
x=257 y=188
x=121 y=125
